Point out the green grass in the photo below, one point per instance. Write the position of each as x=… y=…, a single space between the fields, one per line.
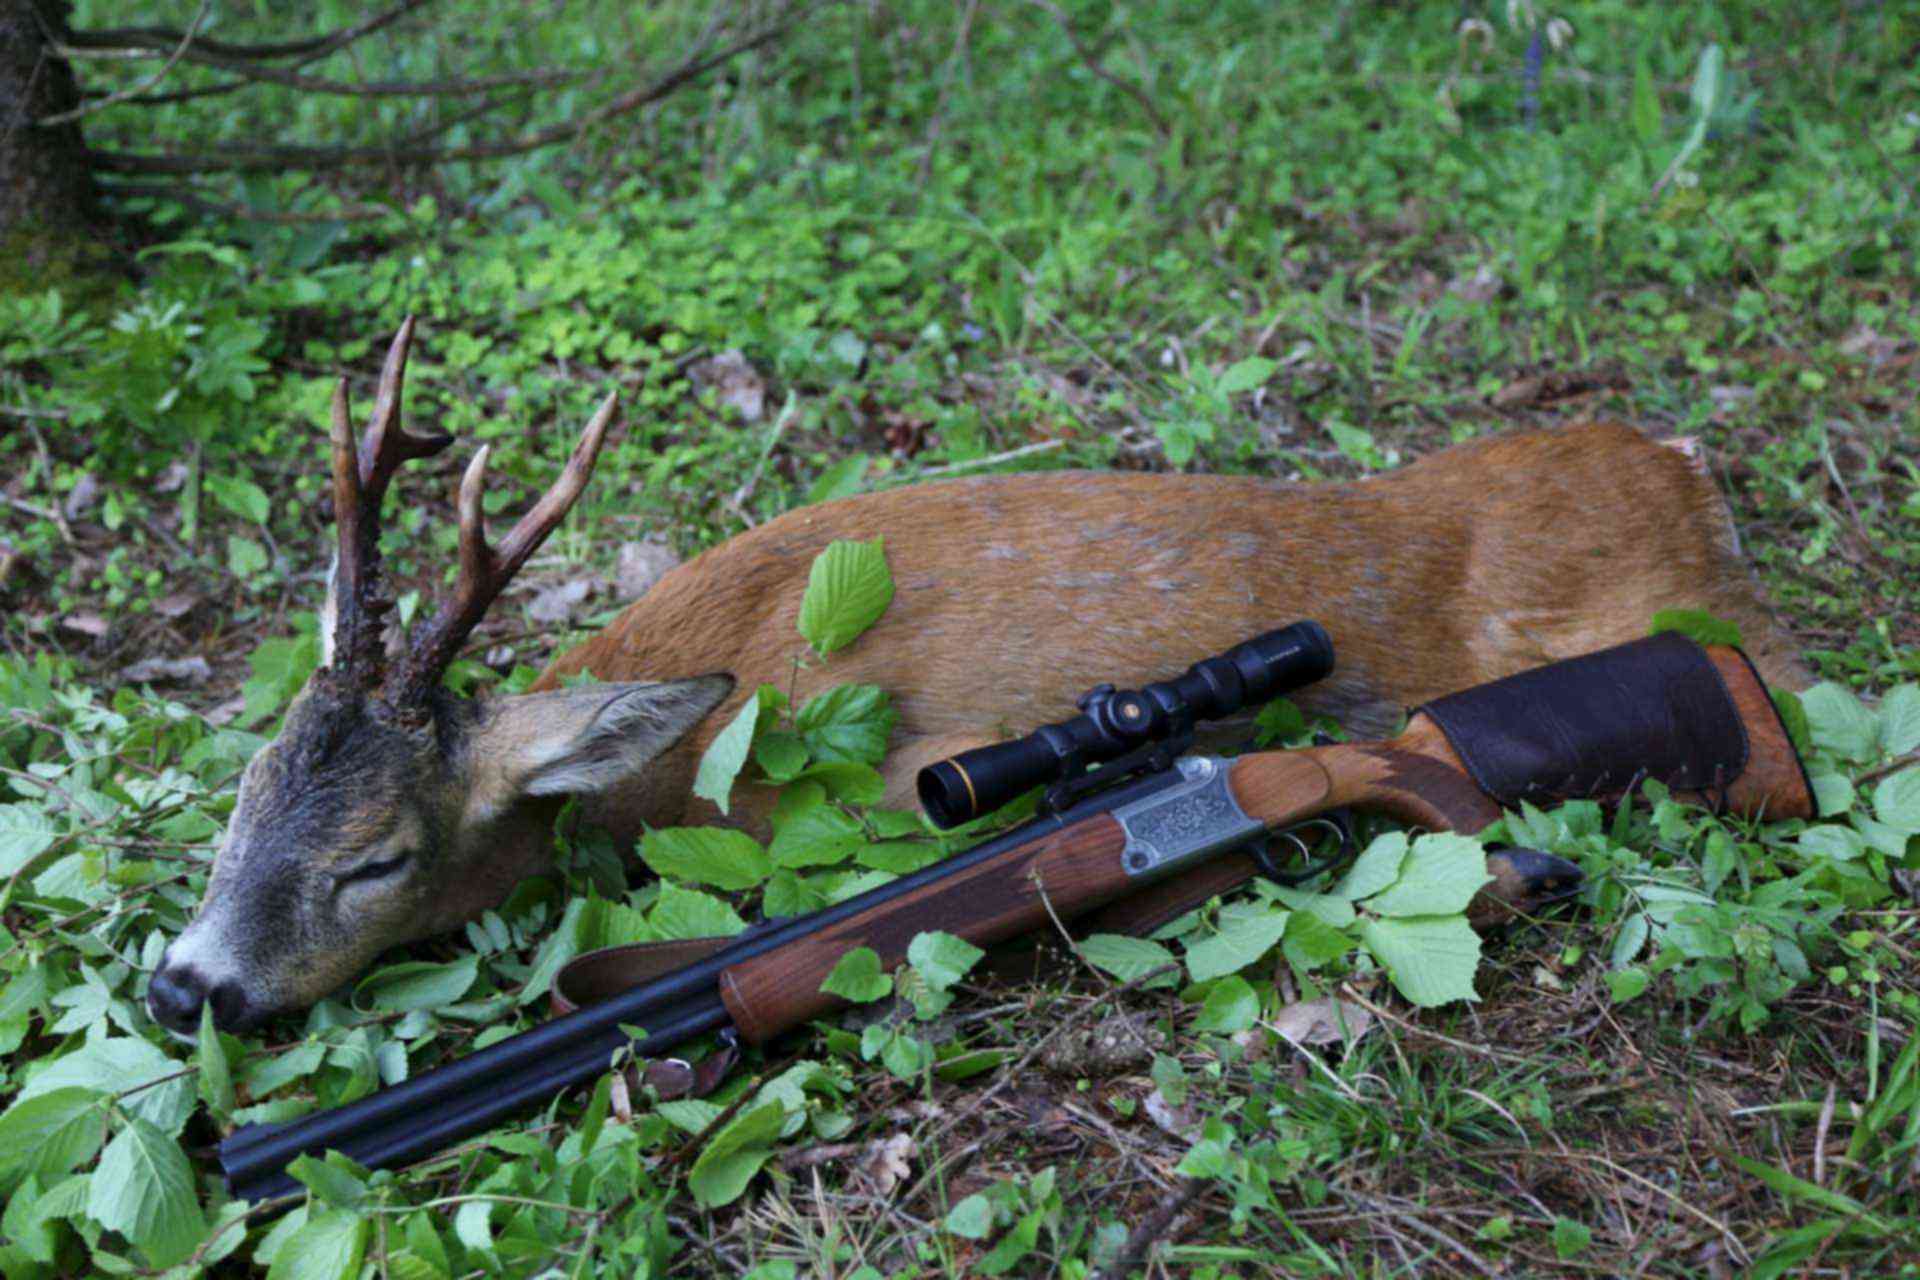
x=1336 y=241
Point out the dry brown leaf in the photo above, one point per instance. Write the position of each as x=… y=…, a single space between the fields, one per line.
x=735 y=384
x=87 y=624
x=1324 y=1021
x=192 y=670
x=556 y=604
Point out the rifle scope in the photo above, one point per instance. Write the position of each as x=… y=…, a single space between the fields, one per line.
x=1113 y=722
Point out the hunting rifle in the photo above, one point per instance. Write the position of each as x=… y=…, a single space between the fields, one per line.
x=1697 y=719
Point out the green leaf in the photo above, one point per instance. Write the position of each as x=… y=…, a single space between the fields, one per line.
x=51 y=1133
x=241 y=496
x=117 y=1064
x=848 y=588
x=735 y=1155
x=1793 y=718
x=1697 y=625
x=245 y=557
x=1896 y=800
x=1832 y=794
x=26 y=832
x=1791 y=1188
x=972 y=1218
x=1127 y=958
x=1840 y=722
x=817 y=835
x=329 y=1247
x=1377 y=867
x=1238 y=944
x=1312 y=942
x=1646 y=103
x=1431 y=959
x=420 y=984
x=143 y=1188
x=1230 y=1006
x=849 y=722
x=1570 y=1238
x=717 y=856
x=847 y=781
x=1900 y=720
x=216 y=1080
x=841 y=480
x=726 y=755
x=335 y=1186
x=1625 y=984
x=1441 y=874
x=941 y=958
x=1246 y=375
x=858 y=977
x=688 y=913
x=780 y=754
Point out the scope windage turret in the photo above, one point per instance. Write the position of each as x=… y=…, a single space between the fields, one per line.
x=1113 y=722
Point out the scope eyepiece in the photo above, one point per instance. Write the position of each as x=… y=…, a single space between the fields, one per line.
x=1113 y=722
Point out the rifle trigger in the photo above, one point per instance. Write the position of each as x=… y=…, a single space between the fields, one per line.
x=1339 y=821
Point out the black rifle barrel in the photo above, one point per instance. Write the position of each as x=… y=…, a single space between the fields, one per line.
x=439 y=1107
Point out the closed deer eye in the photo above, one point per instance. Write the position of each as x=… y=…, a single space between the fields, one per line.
x=369 y=871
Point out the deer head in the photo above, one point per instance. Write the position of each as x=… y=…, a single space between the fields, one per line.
x=388 y=808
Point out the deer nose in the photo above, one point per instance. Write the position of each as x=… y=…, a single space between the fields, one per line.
x=174 y=998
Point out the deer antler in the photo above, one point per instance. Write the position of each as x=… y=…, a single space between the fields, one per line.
x=360 y=479
x=485 y=570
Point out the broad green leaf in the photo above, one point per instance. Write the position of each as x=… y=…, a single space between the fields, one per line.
x=1230 y=1006
x=1441 y=874
x=336 y=1187
x=726 y=755
x=941 y=958
x=51 y=1133
x=1570 y=1238
x=735 y=1154
x=848 y=722
x=1377 y=867
x=818 y=835
x=972 y=1218
x=1311 y=941
x=688 y=913
x=1013 y=1246
x=1431 y=959
x=245 y=557
x=780 y=754
x=1697 y=625
x=788 y=894
x=1247 y=374
x=848 y=588
x=1127 y=958
x=29 y=1230
x=1329 y=909
x=858 y=977
x=241 y=496
x=121 y=1064
x=1625 y=984
x=26 y=832
x=717 y=856
x=1900 y=720
x=143 y=1188
x=1238 y=944
x=473 y=1226
x=1842 y=844
x=1632 y=938
x=1840 y=722
x=847 y=781
x=841 y=480
x=1832 y=794
x=329 y=1247
x=419 y=984
x=1896 y=800
x=216 y=1080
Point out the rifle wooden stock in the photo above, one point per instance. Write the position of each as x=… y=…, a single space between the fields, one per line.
x=1417 y=778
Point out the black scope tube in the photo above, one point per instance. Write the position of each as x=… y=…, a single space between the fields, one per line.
x=419 y=1116
x=1113 y=722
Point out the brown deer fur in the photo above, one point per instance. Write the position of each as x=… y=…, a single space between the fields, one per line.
x=1016 y=592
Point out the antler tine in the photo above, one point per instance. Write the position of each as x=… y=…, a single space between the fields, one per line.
x=485 y=571
x=386 y=447
x=350 y=568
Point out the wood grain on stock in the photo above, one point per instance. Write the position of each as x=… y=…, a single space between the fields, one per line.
x=1076 y=869
x=1774 y=784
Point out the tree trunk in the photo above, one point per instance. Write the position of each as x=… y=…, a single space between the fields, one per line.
x=50 y=220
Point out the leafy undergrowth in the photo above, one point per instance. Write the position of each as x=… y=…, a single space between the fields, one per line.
x=1339 y=237
x=1248 y=1059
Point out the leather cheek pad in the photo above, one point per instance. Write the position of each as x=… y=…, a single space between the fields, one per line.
x=1594 y=725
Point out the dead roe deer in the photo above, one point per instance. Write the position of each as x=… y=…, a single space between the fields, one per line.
x=388 y=808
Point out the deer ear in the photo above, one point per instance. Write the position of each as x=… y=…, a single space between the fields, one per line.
x=583 y=740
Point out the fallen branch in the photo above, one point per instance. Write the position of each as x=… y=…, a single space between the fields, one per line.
x=139 y=41
x=114 y=99
x=1091 y=61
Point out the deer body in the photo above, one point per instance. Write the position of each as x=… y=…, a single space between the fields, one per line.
x=388 y=809
x=1014 y=593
